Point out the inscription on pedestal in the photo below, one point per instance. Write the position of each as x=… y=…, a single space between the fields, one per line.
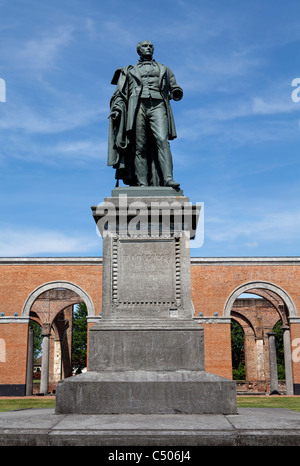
x=146 y=272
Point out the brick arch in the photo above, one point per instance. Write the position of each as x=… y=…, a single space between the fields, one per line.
x=292 y=311
x=243 y=322
x=58 y=284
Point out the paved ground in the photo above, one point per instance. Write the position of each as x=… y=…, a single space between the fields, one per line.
x=250 y=427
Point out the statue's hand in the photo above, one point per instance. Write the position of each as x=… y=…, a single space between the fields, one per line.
x=176 y=94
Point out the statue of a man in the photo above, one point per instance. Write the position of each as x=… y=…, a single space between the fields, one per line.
x=142 y=122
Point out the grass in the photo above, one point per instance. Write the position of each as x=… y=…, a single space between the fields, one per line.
x=7 y=404
x=287 y=402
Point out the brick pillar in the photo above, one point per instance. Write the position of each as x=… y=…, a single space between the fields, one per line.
x=29 y=369
x=288 y=360
x=45 y=359
x=273 y=364
x=261 y=373
x=250 y=356
x=57 y=361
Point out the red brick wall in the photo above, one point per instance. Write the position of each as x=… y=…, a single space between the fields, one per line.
x=212 y=284
x=17 y=282
x=217 y=344
x=13 y=370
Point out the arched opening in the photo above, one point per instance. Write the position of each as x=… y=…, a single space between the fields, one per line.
x=279 y=332
x=79 y=339
x=59 y=285
x=237 y=351
x=262 y=310
x=53 y=306
x=36 y=329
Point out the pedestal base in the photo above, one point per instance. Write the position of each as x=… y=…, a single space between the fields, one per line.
x=146 y=392
x=146 y=368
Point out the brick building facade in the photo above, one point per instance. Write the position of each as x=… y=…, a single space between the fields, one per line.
x=45 y=289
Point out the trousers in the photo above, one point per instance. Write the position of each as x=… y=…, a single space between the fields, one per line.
x=152 y=115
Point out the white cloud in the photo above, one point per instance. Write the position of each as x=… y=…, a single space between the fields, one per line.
x=252 y=244
x=276 y=226
x=42 y=53
x=81 y=149
x=268 y=116
x=55 y=117
x=62 y=149
x=261 y=106
x=14 y=242
x=118 y=33
x=109 y=31
x=275 y=102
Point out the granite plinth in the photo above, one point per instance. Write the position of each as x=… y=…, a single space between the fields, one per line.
x=147 y=368
x=146 y=392
x=158 y=346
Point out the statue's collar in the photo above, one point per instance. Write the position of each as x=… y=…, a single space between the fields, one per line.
x=145 y=62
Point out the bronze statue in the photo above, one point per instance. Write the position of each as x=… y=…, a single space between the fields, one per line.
x=142 y=122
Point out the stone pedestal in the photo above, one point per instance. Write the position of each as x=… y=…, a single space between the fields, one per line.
x=146 y=355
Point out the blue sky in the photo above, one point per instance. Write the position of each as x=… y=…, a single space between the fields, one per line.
x=238 y=128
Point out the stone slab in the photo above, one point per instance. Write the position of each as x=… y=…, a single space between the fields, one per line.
x=249 y=427
x=145 y=191
x=146 y=392
x=134 y=346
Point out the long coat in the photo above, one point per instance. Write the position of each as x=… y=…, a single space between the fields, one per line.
x=126 y=100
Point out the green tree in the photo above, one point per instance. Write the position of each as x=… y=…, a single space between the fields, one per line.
x=237 y=351
x=37 y=339
x=279 y=350
x=79 y=340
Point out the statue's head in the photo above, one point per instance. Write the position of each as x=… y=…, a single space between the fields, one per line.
x=145 y=49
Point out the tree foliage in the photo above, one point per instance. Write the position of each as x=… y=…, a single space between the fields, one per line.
x=37 y=339
x=237 y=351
x=279 y=349
x=79 y=340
